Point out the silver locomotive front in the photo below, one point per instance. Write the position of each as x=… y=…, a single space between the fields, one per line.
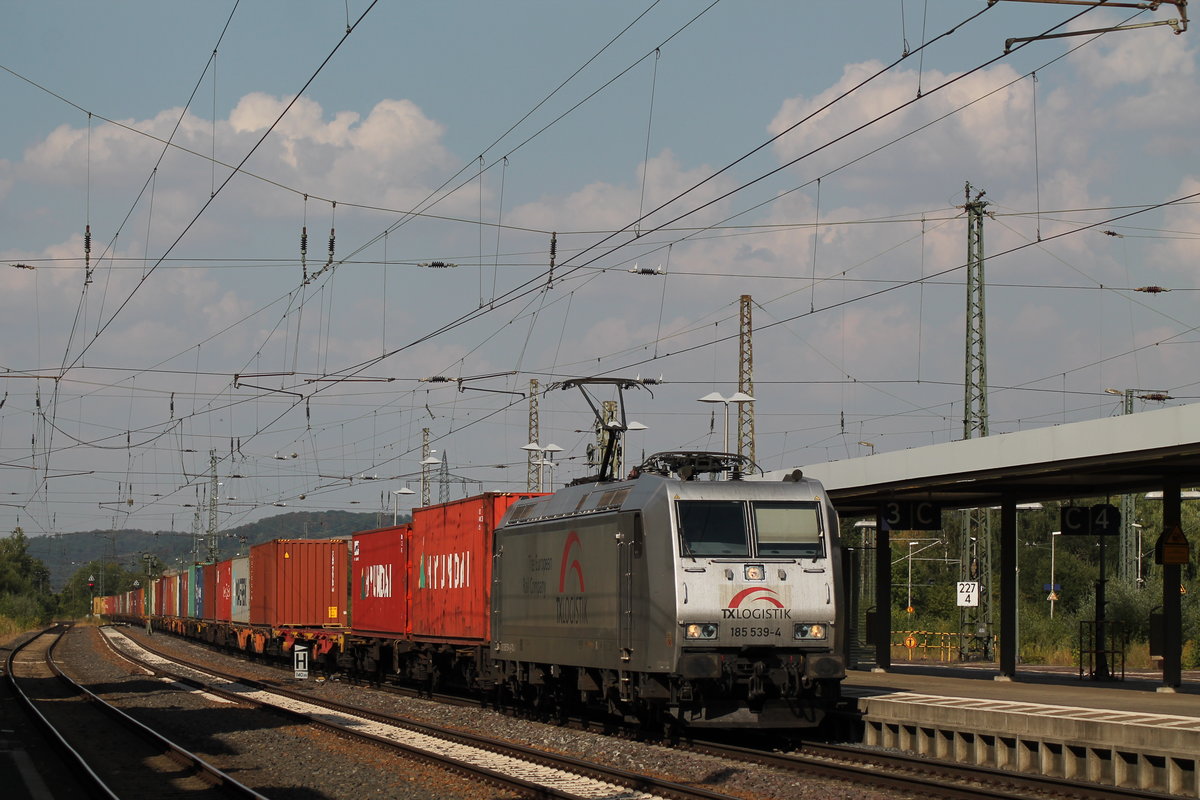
x=757 y=568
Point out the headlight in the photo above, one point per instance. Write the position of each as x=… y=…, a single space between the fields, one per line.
x=755 y=572
x=700 y=630
x=808 y=630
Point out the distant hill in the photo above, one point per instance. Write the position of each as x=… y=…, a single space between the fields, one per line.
x=64 y=553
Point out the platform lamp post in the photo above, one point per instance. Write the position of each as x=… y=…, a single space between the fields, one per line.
x=636 y=426
x=911 y=544
x=738 y=397
x=548 y=460
x=542 y=461
x=1017 y=566
x=396 y=502
x=1137 y=578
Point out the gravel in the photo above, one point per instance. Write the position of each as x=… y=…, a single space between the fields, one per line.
x=285 y=760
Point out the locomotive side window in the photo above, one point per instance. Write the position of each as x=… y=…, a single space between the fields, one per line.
x=788 y=529
x=713 y=528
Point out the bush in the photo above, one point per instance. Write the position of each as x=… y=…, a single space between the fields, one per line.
x=1190 y=657
x=22 y=610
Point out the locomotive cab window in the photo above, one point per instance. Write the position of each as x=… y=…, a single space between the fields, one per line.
x=713 y=528
x=788 y=529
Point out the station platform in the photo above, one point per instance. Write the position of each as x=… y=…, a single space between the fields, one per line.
x=1138 y=691
x=1122 y=733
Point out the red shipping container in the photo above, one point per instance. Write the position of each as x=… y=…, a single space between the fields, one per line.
x=224 y=591
x=160 y=594
x=184 y=587
x=209 y=598
x=138 y=603
x=170 y=595
x=450 y=558
x=379 y=585
x=298 y=583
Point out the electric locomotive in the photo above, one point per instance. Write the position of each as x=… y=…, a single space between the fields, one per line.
x=685 y=595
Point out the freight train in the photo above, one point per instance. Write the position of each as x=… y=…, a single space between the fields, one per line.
x=689 y=594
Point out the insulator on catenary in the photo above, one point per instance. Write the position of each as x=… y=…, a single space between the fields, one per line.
x=331 y=241
x=1152 y=289
x=304 y=251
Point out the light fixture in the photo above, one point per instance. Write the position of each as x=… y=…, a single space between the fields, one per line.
x=717 y=397
x=396 y=502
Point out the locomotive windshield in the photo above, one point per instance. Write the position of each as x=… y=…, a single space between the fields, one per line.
x=735 y=529
x=713 y=528
x=788 y=529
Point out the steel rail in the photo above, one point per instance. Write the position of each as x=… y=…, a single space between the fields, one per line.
x=209 y=773
x=73 y=757
x=920 y=773
x=651 y=787
x=927 y=776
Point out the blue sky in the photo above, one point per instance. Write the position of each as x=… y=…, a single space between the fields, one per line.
x=198 y=333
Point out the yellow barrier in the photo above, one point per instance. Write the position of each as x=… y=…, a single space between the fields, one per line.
x=926 y=645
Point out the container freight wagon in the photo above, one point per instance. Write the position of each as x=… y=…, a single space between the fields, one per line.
x=160 y=596
x=421 y=592
x=286 y=592
x=183 y=591
x=223 y=591
x=239 y=580
x=207 y=607
x=298 y=583
x=379 y=582
x=195 y=595
x=450 y=563
x=132 y=603
x=170 y=591
x=290 y=592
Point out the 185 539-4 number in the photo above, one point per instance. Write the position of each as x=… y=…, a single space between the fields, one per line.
x=754 y=632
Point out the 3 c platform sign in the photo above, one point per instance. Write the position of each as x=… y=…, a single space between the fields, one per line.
x=919 y=515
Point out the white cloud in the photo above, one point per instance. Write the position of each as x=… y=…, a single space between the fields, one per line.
x=610 y=206
x=991 y=132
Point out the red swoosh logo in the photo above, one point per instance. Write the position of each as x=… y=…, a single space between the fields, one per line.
x=762 y=592
x=570 y=564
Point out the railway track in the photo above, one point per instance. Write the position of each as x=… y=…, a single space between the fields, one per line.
x=128 y=759
x=928 y=777
x=527 y=770
x=859 y=766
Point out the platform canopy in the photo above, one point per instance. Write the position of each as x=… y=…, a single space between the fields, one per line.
x=1097 y=458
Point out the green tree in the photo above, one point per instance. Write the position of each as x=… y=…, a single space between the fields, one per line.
x=25 y=597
